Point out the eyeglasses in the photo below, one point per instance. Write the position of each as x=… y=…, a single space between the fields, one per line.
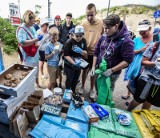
x=79 y=36
x=90 y=15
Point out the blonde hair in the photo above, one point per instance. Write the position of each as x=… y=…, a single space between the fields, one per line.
x=54 y=31
x=28 y=15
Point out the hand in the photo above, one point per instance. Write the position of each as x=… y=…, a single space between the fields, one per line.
x=92 y=72
x=77 y=64
x=55 y=51
x=39 y=37
x=108 y=72
x=77 y=50
x=144 y=48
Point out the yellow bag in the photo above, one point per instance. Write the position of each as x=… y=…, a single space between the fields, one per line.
x=148 y=122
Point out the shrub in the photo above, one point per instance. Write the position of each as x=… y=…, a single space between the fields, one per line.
x=8 y=36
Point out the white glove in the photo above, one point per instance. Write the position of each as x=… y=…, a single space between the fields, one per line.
x=55 y=51
x=108 y=72
x=92 y=72
x=157 y=63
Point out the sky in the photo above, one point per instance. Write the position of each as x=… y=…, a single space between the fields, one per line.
x=61 y=7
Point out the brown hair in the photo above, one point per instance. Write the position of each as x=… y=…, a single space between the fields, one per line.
x=111 y=20
x=90 y=6
x=28 y=15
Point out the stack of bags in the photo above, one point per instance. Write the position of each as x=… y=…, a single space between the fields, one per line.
x=148 y=122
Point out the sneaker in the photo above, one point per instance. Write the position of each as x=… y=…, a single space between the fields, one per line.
x=92 y=94
x=81 y=90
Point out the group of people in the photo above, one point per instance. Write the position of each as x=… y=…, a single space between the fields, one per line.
x=92 y=41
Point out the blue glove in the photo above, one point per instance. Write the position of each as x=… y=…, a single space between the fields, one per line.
x=77 y=50
x=77 y=64
x=39 y=37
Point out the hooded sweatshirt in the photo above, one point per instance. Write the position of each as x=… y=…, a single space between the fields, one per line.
x=116 y=49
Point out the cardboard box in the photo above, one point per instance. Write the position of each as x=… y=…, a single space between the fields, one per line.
x=37 y=97
x=20 y=124
x=32 y=111
x=90 y=114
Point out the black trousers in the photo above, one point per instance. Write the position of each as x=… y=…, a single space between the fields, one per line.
x=72 y=76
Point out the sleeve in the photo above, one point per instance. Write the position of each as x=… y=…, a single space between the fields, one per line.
x=47 y=50
x=97 y=48
x=68 y=48
x=148 y=52
x=21 y=35
x=127 y=50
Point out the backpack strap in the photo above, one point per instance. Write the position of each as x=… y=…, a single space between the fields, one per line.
x=25 y=30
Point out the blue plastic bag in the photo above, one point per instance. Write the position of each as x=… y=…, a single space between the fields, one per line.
x=47 y=128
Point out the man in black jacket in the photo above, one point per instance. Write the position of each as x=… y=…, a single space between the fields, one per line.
x=67 y=26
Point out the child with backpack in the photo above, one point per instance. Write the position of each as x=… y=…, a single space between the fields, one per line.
x=52 y=55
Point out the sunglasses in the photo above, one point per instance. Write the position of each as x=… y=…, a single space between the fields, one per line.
x=90 y=15
x=79 y=36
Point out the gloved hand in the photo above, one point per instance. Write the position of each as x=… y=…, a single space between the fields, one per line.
x=92 y=72
x=55 y=51
x=108 y=72
x=39 y=37
x=157 y=63
x=77 y=50
x=77 y=64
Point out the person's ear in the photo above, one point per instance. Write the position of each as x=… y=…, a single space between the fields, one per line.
x=116 y=26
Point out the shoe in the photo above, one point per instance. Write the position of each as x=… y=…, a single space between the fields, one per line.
x=92 y=94
x=125 y=97
x=81 y=91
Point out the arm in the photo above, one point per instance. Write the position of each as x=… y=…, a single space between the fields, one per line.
x=29 y=42
x=84 y=53
x=49 y=56
x=69 y=59
x=120 y=66
x=146 y=62
x=94 y=62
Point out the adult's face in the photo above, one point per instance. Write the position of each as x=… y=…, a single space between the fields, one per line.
x=31 y=22
x=110 y=30
x=57 y=22
x=144 y=33
x=68 y=19
x=91 y=13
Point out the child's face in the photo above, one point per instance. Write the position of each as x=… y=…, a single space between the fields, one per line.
x=77 y=37
x=54 y=38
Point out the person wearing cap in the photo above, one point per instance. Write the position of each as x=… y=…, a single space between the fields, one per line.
x=93 y=28
x=115 y=46
x=70 y=34
x=43 y=31
x=67 y=26
x=74 y=49
x=37 y=24
x=140 y=45
x=57 y=23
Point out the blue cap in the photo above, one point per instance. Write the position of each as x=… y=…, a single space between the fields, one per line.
x=156 y=30
x=71 y=31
